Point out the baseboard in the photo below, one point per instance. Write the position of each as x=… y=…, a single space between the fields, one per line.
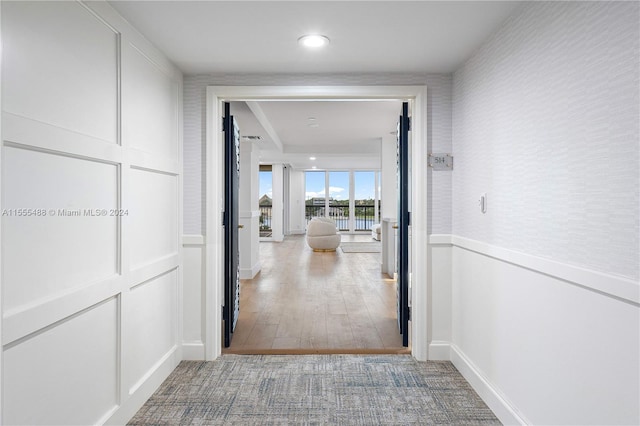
x=494 y=399
x=386 y=351
x=439 y=351
x=193 y=351
x=136 y=400
x=192 y=240
x=249 y=273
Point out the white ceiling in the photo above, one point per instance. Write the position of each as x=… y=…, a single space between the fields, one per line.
x=339 y=134
x=366 y=37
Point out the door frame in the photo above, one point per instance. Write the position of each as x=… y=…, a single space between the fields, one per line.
x=214 y=238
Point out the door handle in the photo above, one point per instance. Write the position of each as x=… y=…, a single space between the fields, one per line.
x=240 y=226
x=395 y=226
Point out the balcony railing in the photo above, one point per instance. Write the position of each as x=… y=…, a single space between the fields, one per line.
x=365 y=217
x=265 y=220
x=340 y=214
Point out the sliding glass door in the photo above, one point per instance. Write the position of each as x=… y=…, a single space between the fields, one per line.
x=315 y=195
x=339 y=199
x=365 y=197
x=351 y=198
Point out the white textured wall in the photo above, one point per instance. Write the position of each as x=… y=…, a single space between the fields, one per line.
x=545 y=120
x=439 y=131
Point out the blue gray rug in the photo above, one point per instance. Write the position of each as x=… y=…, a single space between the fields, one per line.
x=315 y=389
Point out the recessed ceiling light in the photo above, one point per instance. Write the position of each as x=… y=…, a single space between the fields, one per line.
x=312 y=158
x=311 y=119
x=314 y=167
x=314 y=125
x=313 y=40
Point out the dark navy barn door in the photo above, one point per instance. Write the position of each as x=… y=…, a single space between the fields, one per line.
x=403 y=224
x=231 y=307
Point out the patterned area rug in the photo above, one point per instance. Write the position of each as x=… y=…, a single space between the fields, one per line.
x=315 y=389
x=358 y=247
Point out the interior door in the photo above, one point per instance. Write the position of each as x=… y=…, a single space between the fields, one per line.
x=403 y=224
x=231 y=307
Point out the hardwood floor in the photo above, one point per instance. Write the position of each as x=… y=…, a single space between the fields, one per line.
x=317 y=302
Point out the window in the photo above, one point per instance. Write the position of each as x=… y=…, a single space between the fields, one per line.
x=265 y=201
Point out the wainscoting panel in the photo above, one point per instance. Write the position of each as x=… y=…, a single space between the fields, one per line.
x=153 y=219
x=71 y=70
x=149 y=105
x=439 y=295
x=71 y=239
x=91 y=203
x=68 y=372
x=150 y=328
x=193 y=297
x=539 y=348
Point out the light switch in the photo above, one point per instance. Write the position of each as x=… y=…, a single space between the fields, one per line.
x=483 y=203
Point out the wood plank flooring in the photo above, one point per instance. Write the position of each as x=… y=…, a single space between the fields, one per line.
x=317 y=302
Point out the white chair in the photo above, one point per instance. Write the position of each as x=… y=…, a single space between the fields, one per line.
x=322 y=234
x=375 y=231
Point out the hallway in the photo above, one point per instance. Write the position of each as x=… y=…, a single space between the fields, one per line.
x=317 y=302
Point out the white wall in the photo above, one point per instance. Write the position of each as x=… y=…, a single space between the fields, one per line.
x=277 y=202
x=438 y=131
x=388 y=179
x=297 y=221
x=249 y=211
x=91 y=117
x=545 y=292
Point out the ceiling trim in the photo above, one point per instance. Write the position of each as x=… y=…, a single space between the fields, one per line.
x=317 y=93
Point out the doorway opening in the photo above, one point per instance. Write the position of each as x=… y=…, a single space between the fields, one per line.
x=265 y=201
x=415 y=94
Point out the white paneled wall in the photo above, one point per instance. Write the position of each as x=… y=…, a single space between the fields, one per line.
x=92 y=215
x=193 y=344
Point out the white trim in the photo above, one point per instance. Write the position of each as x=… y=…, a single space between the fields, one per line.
x=214 y=232
x=1 y=250
x=439 y=350
x=193 y=240
x=440 y=239
x=499 y=404
x=607 y=284
x=248 y=214
x=193 y=351
x=152 y=381
x=213 y=271
x=420 y=205
x=249 y=273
